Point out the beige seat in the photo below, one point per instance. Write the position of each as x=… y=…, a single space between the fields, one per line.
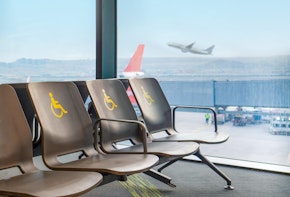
x=67 y=128
x=111 y=102
x=16 y=152
x=159 y=117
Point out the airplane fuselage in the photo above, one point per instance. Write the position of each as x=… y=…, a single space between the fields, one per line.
x=131 y=74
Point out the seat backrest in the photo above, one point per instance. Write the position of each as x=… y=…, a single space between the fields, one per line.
x=82 y=89
x=152 y=102
x=66 y=125
x=27 y=107
x=15 y=135
x=111 y=101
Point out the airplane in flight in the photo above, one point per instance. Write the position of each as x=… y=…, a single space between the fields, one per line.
x=191 y=49
x=133 y=69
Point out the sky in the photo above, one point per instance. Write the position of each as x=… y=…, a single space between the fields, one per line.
x=235 y=27
x=56 y=29
x=65 y=29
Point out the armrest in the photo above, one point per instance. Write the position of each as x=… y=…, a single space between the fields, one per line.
x=174 y=108
x=142 y=128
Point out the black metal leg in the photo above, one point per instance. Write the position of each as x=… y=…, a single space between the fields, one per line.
x=159 y=176
x=214 y=168
x=167 y=164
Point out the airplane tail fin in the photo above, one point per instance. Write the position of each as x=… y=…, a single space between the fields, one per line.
x=131 y=95
x=210 y=49
x=134 y=66
x=136 y=61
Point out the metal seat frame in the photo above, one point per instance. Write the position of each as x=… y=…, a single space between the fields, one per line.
x=67 y=128
x=24 y=178
x=111 y=102
x=159 y=116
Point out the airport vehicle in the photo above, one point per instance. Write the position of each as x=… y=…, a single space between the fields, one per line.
x=191 y=49
x=280 y=125
x=239 y=120
x=220 y=118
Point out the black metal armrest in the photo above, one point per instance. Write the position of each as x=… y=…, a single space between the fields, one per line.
x=141 y=124
x=174 y=108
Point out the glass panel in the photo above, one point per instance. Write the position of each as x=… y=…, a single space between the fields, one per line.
x=47 y=40
x=233 y=56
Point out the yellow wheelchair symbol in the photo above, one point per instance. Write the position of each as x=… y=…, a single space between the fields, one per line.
x=147 y=96
x=56 y=108
x=109 y=103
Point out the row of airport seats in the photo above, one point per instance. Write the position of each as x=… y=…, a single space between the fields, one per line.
x=66 y=128
x=156 y=113
x=16 y=152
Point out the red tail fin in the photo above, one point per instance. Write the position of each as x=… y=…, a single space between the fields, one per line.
x=131 y=95
x=134 y=67
x=136 y=61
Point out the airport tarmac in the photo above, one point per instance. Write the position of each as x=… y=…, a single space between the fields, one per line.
x=252 y=142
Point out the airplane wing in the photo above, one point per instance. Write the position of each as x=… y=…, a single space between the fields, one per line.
x=209 y=49
x=190 y=45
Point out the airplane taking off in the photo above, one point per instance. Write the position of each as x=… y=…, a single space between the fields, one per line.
x=191 y=49
x=133 y=69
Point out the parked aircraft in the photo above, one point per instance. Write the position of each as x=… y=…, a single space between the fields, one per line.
x=191 y=49
x=133 y=69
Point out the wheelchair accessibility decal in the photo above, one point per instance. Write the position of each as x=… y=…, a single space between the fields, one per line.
x=56 y=108
x=109 y=103
x=147 y=96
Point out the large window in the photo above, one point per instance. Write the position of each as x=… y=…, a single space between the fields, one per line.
x=47 y=40
x=234 y=56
